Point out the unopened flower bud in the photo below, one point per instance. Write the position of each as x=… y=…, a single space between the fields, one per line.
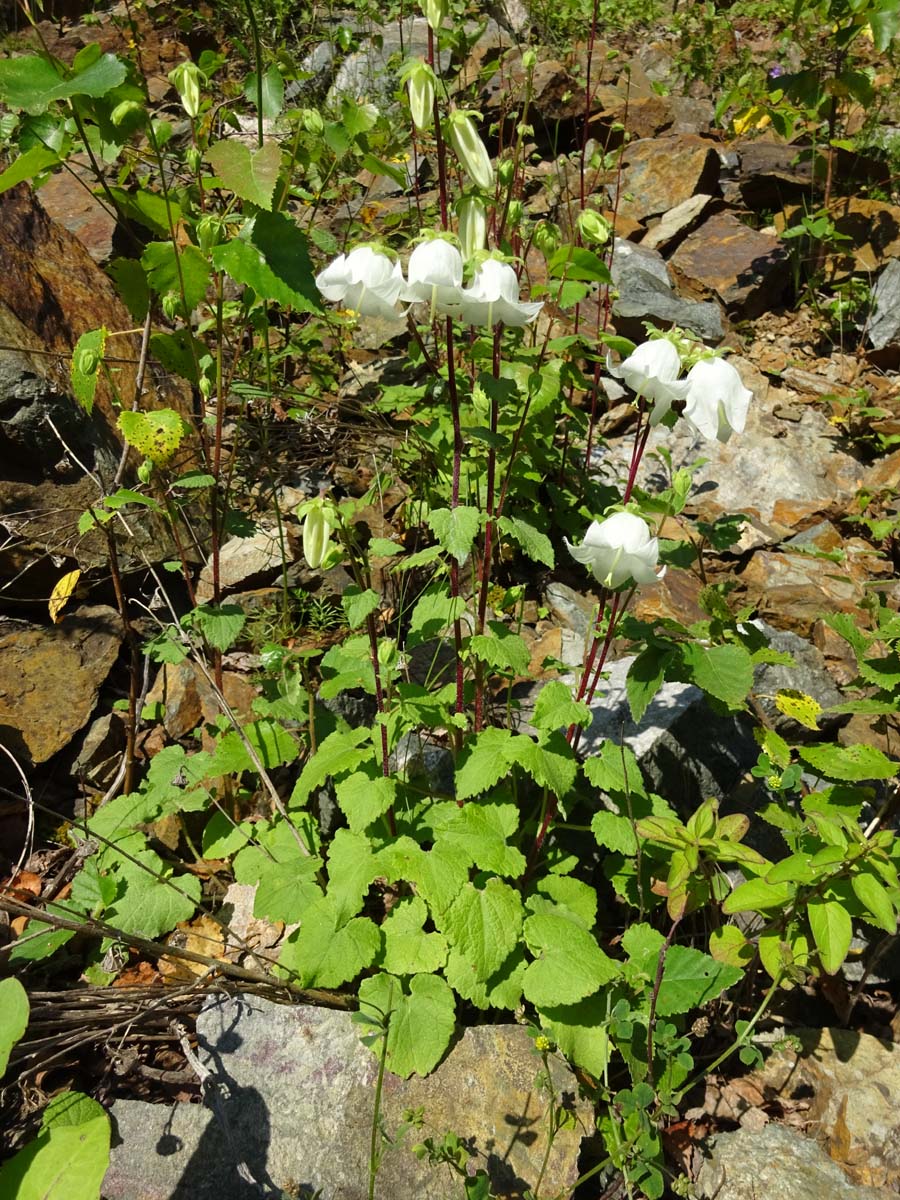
x=129 y=111
x=316 y=534
x=193 y=159
x=186 y=81
x=506 y=171
x=420 y=84
x=171 y=305
x=209 y=232
x=470 y=149
x=515 y=213
x=312 y=121
x=205 y=386
x=435 y=11
x=547 y=238
x=594 y=229
x=529 y=59
x=472 y=225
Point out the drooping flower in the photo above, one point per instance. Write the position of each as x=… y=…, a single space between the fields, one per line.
x=717 y=401
x=493 y=297
x=434 y=276
x=618 y=551
x=419 y=80
x=652 y=371
x=363 y=280
x=316 y=533
x=470 y=149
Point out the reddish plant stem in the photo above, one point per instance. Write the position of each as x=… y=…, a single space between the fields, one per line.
x=485 y=580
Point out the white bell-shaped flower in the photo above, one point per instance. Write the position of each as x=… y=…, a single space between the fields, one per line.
x=493 y=297
x=363 y=280
x=652 y=371
x=717 y=401
x=434 y=276
x=470 y=149
x=618 y=551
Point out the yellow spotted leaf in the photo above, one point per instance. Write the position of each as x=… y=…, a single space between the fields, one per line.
x=156 y=435
x=752 y=118
x=799 y=707
x=61 y=594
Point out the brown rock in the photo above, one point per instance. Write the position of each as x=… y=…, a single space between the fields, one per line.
x=677 y=222
x=68 y=198
x=242 y=561
x=50 y=678
x=792 y=590
x=745 y=269
x=189 y=700
x=660 y=173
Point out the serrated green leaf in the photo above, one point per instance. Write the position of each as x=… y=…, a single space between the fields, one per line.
x=341 y=751
x=14 y=1010
x=222 y=837
x=408 y=949
x=156 y=435
x=799 y=707
x=166 y=269
x=272 y=91
x=832 y=931
x=220 y=626
x=537 y=545
x=284 y=875
x=86 y=359
x=421 y=1021
x=364 y=796
x=724 y=672
x=551 y=762
x=883 y=672
x=614 y=832
x=691 y=978
x=484 y=924
x=728 y=944
x=579 y=898
x=131 y=284
x=615 y=770
x=324 y=952
x=28 y=165
x=455 y=529
x=32 y=82
x=483 y=762
x=569 y=964
x=849 y=763
x=876 y=900
x=502 y=990
x=274 y=261
x=66 y=1161
x=434 y=613
x=352 y=865
x=273 y=744
x=251 y=175
x=580 y=1031
x=645 y=677
x=556 y=709
x=501 y=648
x=481 y=831
x=358 y=604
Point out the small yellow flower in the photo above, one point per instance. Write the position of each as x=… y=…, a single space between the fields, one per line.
x=543 y=1044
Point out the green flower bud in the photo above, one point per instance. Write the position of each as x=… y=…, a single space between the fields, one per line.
x=209 y=232
x=435 y=11
x=145 y=471
x=506 y=171
x=127 y=111
x=594 y=229
x=420 y=85
x=193 y=158
x=186 y=81
x=515 y=213
x=470 y=149
x=472 y=225
x=312 y=121
x=547 y=238
x=529 y=59
x=171 y=306
x=87 y=362
x=316 y=534
x=205 y=386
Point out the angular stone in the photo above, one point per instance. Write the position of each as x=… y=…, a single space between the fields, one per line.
x=188 y=700
x=776 y=1163
x=243 y=561
x=795 y=590
x=50 y=679
x=68 y=197
x=809 y=675
x=746 y=269
x=884 y=324
x=851 y=1081
x=301 y=1090
x=659 y=173
x=676 y=222
x=645 y=292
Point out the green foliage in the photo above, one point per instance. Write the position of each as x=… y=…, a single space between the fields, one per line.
x=68 y=1158
x=14 y=1010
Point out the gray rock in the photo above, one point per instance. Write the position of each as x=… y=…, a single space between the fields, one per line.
x=370 y=73
x=775 y=1163
x=810 y=676
x=676 y=221
x=646 y=294
x=884 y=325
x=242 y=560
x=318 y=67
x=299 y=1110
x=686 y=752
x=572 y=610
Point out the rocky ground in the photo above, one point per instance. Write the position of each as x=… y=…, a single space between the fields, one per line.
x=699 y=218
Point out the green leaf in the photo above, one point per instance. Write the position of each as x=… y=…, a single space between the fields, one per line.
x=434 y=613
x=273 y=259
x=166 y=270
x=551 y=762
x=644 y=679
x=71 y=1108
x=876 y=900
x=28 y=165
x=455 y=529
x=724 y=672
x=614 y=832
x=569 y=964
x=65 y=1161
x=149 y=209
x=579 y=898
x=365 y=796
x=284 y=875
x=501 y=990
x=43 y=940
x=272 y=91
x=352 y=865
x=483 y=762
x=756 y=895
x=576 y=262
x=148 y=906
x=580 y=1031
x=194 y=480
x=850 y=763
x=555 y=708
x=358 y=604
x=157 y=435
x=222 y=837
x=323 y=952
x=481 y=831
x=33 y=83
x=408 y=949
x=484 y=924
x=421 y=1021
x=251 y=176
x=273 y=744
x=86 y=359
x=691 y=978
x=219 y=626
x=501 y=648
x=439 y=874
x=615 y=771
x=832 y=931
x=14 y=1010
x=341 y=751
x=884 y=22
x=537 y=545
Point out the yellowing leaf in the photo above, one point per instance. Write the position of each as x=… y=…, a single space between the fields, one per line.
x=754 y=117
x=61 y=593
x=799 y=707
x=156 y=435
